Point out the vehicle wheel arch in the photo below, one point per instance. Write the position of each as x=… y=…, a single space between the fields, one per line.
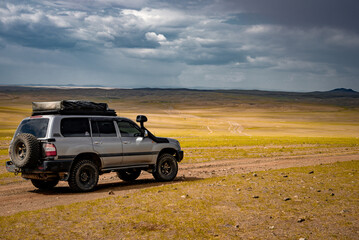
x=87 y=156
x=171 y=151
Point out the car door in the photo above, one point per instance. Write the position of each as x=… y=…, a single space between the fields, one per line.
x=75 y=136
x=106 y=142
x=136 y=148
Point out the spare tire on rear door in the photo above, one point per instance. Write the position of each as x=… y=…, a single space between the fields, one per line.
x=25 y=150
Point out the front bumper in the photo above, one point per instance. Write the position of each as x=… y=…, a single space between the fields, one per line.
x=46 y=166
x=180 y=155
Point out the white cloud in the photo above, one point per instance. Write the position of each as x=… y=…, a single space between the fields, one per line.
x=148 y=17
x=255 y=29
x=152 y=36
x=59 y=21
x=19 y=13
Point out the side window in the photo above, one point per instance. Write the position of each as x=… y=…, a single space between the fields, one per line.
x=103 y=128
x=75 y=127
x=128 y=129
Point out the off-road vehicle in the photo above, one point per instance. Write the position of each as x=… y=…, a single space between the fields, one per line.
x=76 y=141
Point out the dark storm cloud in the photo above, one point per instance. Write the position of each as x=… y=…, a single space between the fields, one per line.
x=63 y=30
x=291 y=45
x=44 y=37
x=246 y=19
x=343 y=14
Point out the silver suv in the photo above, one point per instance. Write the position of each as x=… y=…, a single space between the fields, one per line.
x=59 y=145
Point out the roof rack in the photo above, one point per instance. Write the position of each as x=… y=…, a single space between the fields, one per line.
x=71 y=107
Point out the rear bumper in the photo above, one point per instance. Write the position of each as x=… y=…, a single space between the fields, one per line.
x=57 y=165
x=47 y=166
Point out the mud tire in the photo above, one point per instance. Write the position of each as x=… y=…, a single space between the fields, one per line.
x=83 y=176
x=25 y=150
x=166 y=168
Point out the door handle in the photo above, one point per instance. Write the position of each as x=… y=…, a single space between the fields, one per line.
x=126 y=142
x=97 y=143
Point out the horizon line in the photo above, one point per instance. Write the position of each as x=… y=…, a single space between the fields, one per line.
x=90 y=86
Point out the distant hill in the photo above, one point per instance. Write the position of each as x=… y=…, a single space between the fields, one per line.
x=337 y=97
x=338 y=92
x=343 y=90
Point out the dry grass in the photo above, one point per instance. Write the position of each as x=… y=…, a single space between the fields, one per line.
x=205 y=113
x=262 y=205
x=212 y=126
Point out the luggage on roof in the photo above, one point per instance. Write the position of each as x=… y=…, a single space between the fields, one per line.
x=71 y=107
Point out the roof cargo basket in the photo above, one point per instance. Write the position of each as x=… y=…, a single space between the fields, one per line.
x=71 y=107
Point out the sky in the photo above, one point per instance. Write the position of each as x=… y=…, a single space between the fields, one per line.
x=285 y=45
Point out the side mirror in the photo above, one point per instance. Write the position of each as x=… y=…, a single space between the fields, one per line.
x=141 y=119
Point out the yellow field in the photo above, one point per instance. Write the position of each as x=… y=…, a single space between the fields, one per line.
x=212 y=127
x=205 y=114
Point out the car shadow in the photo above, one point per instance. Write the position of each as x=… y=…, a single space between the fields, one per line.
x=115 y=186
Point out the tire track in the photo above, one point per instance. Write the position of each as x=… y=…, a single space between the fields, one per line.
x=22 y=196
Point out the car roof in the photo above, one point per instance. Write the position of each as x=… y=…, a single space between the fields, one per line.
x=77 y=116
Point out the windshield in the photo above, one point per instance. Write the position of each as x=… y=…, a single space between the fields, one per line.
x=36 y=127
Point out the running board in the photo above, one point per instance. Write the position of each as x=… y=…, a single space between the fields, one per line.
x=125 y=167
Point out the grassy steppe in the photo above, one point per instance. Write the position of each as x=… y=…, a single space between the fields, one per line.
x=205 y=113
x=212 y=126
x=317 y=202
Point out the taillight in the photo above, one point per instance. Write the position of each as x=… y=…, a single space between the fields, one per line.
x=50 y=150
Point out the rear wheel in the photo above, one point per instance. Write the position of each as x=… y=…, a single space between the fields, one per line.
x=44 y=185
x=129 y=175
x=84 y=176
x=166 y=168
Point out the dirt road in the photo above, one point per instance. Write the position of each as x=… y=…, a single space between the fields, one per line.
x=22 y=196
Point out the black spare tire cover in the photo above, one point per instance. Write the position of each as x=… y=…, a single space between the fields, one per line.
x=25 y=150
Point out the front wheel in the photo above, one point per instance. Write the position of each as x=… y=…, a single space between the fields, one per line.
x=84 y=176
x=44 y=184
x=166 y=168
x=129 y=175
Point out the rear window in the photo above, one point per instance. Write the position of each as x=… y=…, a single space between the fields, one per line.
x=75 y=127
x=36 y=127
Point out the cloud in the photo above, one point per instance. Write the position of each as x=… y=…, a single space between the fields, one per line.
x=297 y=13
x=85 y=5
x=232 y=44
x=149 y=17
x=58 y=28
x=152 y=36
